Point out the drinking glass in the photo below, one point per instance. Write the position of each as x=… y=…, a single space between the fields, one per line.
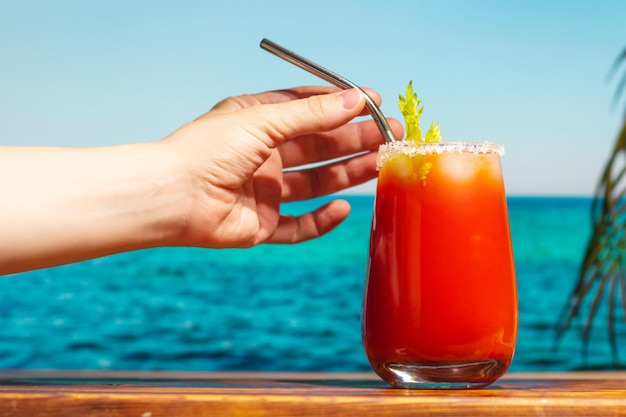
x=440 y=302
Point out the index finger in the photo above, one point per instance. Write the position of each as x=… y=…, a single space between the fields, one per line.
x=235 y=103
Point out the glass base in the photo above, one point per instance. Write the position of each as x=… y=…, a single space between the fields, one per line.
x=466 y=375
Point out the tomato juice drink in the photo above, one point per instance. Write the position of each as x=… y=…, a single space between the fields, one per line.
x=440 y=304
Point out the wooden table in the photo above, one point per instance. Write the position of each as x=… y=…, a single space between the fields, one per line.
x=155 y=394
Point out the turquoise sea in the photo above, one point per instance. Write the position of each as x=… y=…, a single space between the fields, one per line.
x=270 y=308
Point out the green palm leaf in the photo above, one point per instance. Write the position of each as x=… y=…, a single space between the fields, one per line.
x=602 y=275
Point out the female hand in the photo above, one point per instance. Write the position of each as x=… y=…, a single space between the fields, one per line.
x=235 y=157
x=215 y=182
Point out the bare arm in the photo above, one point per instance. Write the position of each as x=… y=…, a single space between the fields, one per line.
x=215 y=182
x=62 y=205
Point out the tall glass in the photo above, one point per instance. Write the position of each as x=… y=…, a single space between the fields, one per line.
x=440 y=304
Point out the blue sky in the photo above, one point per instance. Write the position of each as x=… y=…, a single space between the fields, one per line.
x=532 y=74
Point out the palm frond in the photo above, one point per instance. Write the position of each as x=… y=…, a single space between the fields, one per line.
x=621 y=85
x=611 y=320
x=601 y=275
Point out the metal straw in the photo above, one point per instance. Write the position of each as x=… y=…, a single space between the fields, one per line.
x=332 y=78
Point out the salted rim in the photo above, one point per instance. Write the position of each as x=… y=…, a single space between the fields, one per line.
x=410 y=148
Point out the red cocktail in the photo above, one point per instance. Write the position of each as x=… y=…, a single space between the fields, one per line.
x=440 y=306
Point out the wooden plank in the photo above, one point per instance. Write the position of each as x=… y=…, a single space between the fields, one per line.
x=155 y=394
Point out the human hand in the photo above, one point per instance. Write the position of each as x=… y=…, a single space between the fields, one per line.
x=234 y=158
x=216 y=182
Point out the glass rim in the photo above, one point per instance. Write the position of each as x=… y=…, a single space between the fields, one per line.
x=410 y=148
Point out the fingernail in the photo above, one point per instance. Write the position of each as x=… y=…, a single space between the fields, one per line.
x=350 y=98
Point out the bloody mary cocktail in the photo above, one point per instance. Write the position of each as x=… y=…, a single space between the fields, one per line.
x=440 y=305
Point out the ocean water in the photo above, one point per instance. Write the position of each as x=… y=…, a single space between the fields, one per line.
x=273 y=307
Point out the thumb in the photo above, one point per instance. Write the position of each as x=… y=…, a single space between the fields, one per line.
x=319 y=113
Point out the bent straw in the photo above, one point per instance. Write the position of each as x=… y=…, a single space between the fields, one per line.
x=332 y=78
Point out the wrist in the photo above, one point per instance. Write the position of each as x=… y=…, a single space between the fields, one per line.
x=159 y=196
